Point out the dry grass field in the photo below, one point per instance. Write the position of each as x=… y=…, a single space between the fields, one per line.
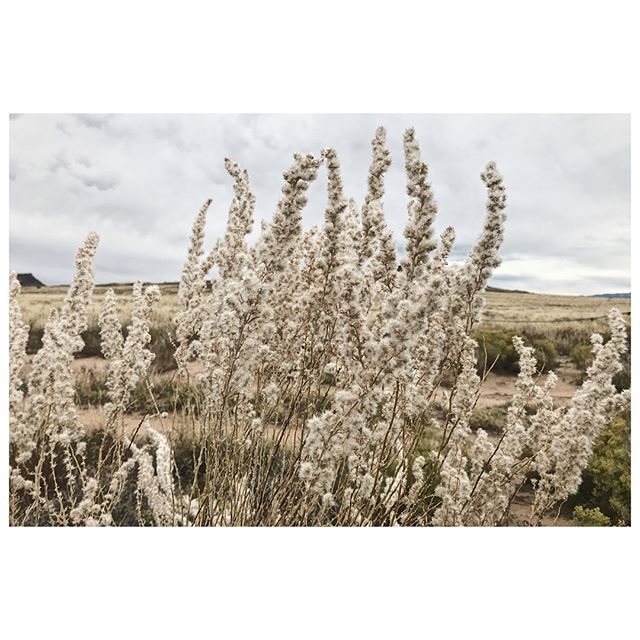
x=503 y=309
x=37 y=304
x=549 y=312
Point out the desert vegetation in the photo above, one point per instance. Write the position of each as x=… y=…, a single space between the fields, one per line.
x=316 y=378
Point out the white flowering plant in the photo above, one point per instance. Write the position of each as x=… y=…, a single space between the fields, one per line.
x=337 y=379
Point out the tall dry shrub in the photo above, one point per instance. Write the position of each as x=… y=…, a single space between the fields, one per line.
x=338 y=378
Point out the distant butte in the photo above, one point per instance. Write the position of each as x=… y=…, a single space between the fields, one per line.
x=29 y=280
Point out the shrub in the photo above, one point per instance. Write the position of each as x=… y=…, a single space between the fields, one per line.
x=275 y=441
x=496 y=351
x=491 y=419
x=162 y=347
x=589 y=518
x=167 y=395
x=606 y=482
x=622 y=379
x=566 y=338
x=582 y=356
x=34 y=342
x=545 y=352
x=92 y=343
x=163 y=395
x=90 y=387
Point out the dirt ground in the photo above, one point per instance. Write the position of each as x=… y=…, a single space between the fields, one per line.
x=499 y=389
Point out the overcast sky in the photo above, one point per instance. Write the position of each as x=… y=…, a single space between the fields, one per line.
x=139 y=180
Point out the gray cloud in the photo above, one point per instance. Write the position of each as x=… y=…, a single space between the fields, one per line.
x=139 y=180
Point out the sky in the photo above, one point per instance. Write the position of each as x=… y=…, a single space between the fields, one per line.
x=139 y=180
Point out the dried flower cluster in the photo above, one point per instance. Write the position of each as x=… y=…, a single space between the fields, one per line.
x=338 y=378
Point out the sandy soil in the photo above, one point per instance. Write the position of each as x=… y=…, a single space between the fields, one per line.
x=499 y=389
x=521 y=510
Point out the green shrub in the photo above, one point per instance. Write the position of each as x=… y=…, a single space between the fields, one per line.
x=622 y=379
x=497 y=347
x=491 y=419
x=582 y=356
x=328 y=378
x=160 y=344
x=546 y=353
x=606 y=482
x=91 y=338
x=565 y=338
x=163 y=349
x=34 y=342
x=90 y=387
x=589 y=518
x=92 y=341
x=166 y=395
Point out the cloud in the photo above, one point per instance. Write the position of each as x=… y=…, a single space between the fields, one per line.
x=139 y=180
x=93 y=121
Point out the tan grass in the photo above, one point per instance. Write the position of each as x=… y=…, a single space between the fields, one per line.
x=37 y=304
x=541 y=313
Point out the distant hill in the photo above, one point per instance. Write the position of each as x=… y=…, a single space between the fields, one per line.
x=612 y=295
x=498 y=290
x=29 y=280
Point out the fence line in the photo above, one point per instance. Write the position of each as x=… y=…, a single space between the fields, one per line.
x=516 y=320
